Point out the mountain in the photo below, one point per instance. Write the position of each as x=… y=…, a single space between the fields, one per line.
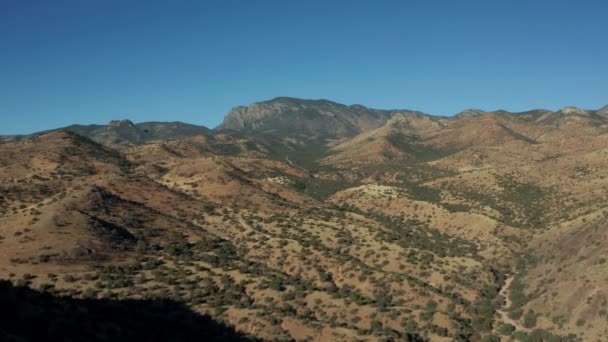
x=320 y=119
x=420 y=137
x=470 y=113
x=399 y=138
x=125 y=133
x=305 y=130
x=302 y=131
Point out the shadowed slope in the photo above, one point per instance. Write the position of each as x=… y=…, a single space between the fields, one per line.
x=29 y=315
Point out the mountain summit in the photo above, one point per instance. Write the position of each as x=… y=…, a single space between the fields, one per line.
x=316 y=118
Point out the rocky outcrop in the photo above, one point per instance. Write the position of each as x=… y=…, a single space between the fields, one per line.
x=121 y=123
x=573 y=111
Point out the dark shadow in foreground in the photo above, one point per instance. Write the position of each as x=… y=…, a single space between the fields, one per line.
x=29 y=315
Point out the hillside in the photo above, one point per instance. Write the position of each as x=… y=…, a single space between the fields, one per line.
x=312 y=220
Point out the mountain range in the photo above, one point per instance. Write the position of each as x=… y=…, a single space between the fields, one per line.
x=312 y=220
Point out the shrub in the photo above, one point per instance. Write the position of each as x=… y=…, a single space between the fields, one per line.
x=70 y=278
x=506 y=329
x=530 y=319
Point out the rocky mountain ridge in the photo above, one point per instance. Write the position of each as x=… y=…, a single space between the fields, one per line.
x=306 y=121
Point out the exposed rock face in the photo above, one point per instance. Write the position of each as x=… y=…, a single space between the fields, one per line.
x=414 y=121
x=250 y=117
x=121 y=123
x=573 y=111
x=314 y=118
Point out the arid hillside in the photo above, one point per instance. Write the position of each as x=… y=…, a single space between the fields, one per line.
x=311 y=220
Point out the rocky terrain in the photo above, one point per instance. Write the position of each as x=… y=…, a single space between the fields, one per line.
x=311 y=220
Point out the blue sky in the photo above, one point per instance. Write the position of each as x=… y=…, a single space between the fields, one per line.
x=64 y=62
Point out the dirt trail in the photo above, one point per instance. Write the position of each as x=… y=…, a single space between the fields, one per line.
x=503 y=313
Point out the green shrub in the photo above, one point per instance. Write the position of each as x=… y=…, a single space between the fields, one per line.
x=530 y=319
x=506 y=329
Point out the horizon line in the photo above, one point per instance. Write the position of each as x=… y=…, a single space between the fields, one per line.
x=305 y=99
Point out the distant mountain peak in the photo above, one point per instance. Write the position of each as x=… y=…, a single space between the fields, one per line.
x=125 y=133
x=318 y=119
x=470 y=113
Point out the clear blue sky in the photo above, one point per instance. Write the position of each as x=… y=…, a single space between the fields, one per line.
x=89 y=61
